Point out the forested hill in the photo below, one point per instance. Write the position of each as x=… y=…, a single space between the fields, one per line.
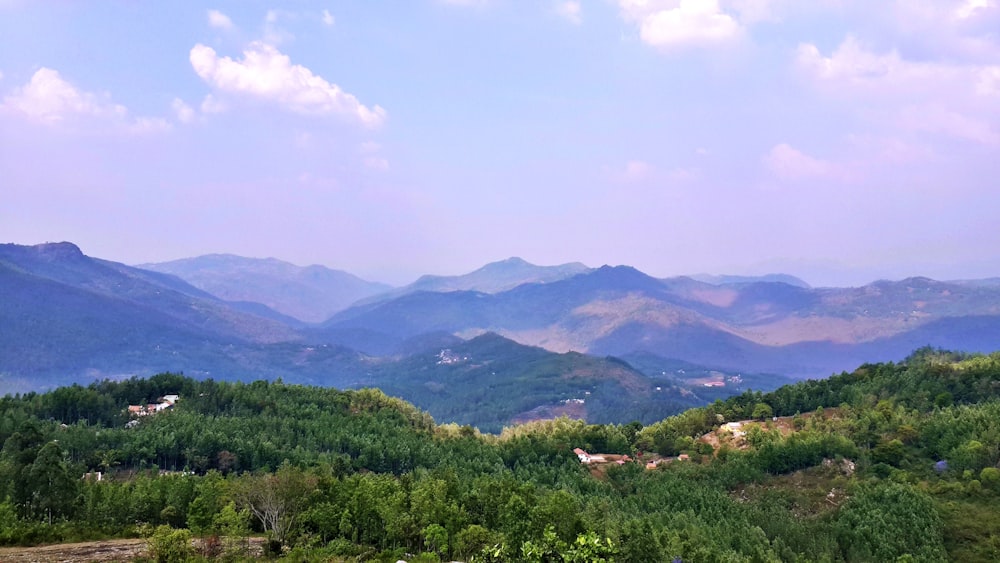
x=889 y=461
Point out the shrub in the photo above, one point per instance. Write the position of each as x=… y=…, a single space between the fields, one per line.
x=168 y=545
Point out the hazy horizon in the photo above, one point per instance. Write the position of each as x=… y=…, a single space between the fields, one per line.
x=839 y=142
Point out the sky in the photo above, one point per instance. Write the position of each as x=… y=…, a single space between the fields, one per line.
x=841 y=141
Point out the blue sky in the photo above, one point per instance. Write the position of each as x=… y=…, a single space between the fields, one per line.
x=838 y=140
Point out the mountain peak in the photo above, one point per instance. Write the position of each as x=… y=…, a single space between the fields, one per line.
x=58 y=250
x=511 y=263
x=516 y=260
x=308 y=293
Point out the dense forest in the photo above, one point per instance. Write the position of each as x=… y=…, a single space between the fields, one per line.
x=888 y=462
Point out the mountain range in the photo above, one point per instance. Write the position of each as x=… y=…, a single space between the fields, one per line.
x=612 y=331
x=310 y=293
x=755 y=326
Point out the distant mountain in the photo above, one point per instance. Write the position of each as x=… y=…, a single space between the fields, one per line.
x=767 y=278
x=769 y=327
x=64 y=314
x=986 y=282
x=311 y=293
x=68 y=317
x=499 y=276
x=491 y=278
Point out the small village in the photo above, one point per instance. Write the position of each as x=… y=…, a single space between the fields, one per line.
x=163 y=403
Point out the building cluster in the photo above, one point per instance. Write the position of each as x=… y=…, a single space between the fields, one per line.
x=446 y=357
x=591 y=458
x=165 y=402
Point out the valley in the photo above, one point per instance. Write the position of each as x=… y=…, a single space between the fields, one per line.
x=631 y=346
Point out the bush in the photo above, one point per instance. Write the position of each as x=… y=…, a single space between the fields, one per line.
x=168 y=545
x=884 y=521
x=990 y=477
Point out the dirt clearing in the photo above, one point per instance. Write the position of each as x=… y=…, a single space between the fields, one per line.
x=105 y=550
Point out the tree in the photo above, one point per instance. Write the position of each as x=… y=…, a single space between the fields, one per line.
x=473 y=539
x=436 y=539
x=16 y=460
x=234 y=526
x=207 y=504
x=277 y=499
x=53 y=488
x=762 y=411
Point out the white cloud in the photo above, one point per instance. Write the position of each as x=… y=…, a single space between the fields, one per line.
x=969 y=8
x=49 y=99
x=689 y=23
x=266 y=74
x=184 y=112
x=853 y=63
x=328 y=18
x=570 y=11
x=370 y=147
x=211 y=104
x=950 y=97
x=788 y=163
x=219 y=20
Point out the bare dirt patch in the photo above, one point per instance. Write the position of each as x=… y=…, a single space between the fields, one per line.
x=84 y=552
x=102 y=551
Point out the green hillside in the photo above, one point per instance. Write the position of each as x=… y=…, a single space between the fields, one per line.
x=888 y=462
x=490 y=381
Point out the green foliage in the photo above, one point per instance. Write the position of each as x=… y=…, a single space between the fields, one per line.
x=435 y=538
x=359 y=474
x=8 y=524
x=473 y=539
x=167 y=545
x=990 y=477
x=886 y=521
x=586 y=548
x=762 y=411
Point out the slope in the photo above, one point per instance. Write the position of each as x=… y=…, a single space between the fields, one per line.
x=66 y=315
x=311 y=293
x=769 y=327
x=494 y=277
x=490 y=382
